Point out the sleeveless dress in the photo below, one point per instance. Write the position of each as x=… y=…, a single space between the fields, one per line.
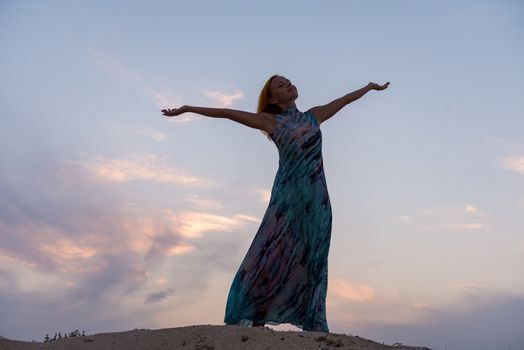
x=283 y=277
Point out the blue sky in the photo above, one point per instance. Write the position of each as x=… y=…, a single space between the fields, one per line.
x=113 y=217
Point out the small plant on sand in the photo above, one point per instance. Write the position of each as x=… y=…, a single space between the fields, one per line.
x=75 y=333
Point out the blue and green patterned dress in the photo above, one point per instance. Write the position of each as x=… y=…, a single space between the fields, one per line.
x=283 y=277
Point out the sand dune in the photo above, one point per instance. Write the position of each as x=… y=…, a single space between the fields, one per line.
x=206 y=337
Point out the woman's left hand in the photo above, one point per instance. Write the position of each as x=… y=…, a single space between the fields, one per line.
x=375 y=86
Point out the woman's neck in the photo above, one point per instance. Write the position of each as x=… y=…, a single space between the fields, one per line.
x=288 y=105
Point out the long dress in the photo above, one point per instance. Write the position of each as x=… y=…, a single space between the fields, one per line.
x=283 y=277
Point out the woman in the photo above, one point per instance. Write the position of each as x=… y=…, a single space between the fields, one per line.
x=283 y=277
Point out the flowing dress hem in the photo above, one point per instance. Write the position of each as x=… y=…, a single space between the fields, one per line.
x=249 y=323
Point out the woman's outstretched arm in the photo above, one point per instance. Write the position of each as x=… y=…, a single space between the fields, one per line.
x=326 y=111
x=253 y=120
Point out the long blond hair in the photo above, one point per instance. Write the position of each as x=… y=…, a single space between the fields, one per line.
x=263 y=102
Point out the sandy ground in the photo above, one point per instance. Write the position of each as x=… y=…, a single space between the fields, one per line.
x=207 y=337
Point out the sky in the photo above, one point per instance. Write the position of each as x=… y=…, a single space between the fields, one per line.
x=114 y=217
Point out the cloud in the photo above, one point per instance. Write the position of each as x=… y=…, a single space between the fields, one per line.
x=471 y=226
x=450 y=218
x=200 y=202
x=194 y=224
x=448 y=212
x=471 y=209
x=83 y=251
x=139 y=167
x=159 y=296
x=473 y=315
x=223 y=99
x=505 y=145
x=263 y=194
x=481 y=320
x=351 y=291
x=152 y=134
x=161 y=96
x=248 y=218
x=514 y=164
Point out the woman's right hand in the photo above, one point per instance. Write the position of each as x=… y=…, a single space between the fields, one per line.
x=175 y=111
x=375 y=86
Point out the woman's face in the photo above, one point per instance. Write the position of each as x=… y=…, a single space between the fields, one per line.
x=282 y=91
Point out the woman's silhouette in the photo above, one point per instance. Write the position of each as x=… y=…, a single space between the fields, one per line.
x=283 y=277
